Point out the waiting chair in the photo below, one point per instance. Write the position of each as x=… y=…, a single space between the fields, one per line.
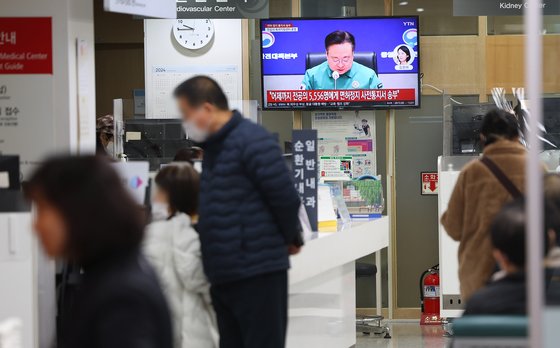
x=368 y=59
x=371 y=323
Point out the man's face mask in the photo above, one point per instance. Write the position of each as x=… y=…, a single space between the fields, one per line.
x=195 y=129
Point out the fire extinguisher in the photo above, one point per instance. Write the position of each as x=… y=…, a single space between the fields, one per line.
x=429 y=296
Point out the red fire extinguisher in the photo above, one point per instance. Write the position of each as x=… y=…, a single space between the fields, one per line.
x=429 y=297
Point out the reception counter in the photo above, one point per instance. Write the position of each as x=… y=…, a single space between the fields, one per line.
x=322 y=303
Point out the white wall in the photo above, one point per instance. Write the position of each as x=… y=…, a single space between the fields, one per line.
x=49 y=117
x=48 y=123
x=161 y=49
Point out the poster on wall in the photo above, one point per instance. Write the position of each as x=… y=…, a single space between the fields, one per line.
x=222 y=9
x=162 y=105
x=86 y=87
x=348 y=137
x=26 y=45
x=26 y=69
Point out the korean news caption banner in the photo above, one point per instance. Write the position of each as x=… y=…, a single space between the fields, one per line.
x=26 y=45
x=305 y=170
x=501 y=7
x=222 y=8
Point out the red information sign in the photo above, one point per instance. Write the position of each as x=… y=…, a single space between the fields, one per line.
x=430 y=183
x=26 y=45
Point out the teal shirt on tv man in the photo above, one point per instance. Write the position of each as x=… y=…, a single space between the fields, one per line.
x=340 y=71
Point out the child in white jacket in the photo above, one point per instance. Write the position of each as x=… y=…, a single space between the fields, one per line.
x=173 y=247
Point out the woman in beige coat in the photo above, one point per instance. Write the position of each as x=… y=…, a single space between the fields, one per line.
x=478 y=196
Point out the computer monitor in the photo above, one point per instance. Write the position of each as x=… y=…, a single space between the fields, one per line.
x=9 y=173
x=154 y=140
x=466 y=122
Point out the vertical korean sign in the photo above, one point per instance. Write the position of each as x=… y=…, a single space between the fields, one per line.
x=26 y=89
x=305 y=170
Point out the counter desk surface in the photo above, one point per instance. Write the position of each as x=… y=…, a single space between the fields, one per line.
x=322 y=304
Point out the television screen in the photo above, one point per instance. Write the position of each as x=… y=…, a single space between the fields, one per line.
x=344 y=63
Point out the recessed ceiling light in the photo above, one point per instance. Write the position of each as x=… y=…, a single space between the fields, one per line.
x=403 y=3
x=420 y=9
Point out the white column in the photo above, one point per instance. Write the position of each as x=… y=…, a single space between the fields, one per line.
x=534 y=181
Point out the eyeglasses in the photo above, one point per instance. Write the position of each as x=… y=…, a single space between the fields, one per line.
x=344 y=60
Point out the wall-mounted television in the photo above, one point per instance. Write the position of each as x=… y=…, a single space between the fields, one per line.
x=340 y=63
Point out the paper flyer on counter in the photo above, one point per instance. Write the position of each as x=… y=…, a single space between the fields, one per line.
x=346 y=134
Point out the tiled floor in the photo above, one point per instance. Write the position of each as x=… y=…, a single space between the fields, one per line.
x=406 y=335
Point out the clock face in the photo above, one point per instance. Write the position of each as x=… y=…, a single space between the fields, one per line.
x=193 y=33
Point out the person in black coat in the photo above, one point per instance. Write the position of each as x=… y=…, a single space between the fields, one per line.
x=248 y=217
x=85 y=216
x=506 y=294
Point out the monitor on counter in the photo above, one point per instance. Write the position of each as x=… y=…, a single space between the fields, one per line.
x=346 y=63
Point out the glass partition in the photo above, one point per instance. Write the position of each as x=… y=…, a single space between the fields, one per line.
x=436 y=17
x=513 y=25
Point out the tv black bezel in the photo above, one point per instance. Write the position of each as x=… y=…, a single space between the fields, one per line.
x=349 y=108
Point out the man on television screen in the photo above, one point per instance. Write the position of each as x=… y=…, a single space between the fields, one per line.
x=340 y=71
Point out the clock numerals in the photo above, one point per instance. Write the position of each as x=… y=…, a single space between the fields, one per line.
x=190 y=33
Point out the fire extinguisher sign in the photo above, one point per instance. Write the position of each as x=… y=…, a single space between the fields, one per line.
x=431 y=291
x=430 y=183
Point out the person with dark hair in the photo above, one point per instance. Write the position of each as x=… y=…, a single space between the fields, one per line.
x=506 y=294
x=248 y=218
x=403 y=55
x=104 y=129
x=482 y=188
x=86 y=216
x=173 y=247
x=340 y=71
x=188 y=154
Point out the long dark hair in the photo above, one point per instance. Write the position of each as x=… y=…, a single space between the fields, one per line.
x=101 y=217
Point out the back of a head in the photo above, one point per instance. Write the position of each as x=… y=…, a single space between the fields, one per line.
x=202 y=89
x=100 y=215
x=508 y=231
x=499 y=124
x=180 y=181
x=184 y=155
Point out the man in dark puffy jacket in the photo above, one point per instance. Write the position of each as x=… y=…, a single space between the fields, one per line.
x=248 y=217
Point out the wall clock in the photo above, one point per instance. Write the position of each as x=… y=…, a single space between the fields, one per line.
x=193 y=34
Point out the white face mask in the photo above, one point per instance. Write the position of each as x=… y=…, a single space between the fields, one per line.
x=160 y=211
x=194 y=132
